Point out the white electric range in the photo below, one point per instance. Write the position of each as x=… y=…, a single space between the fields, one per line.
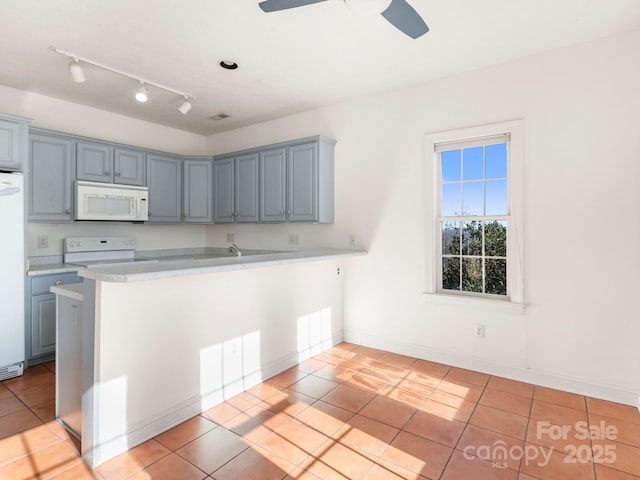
x=97 y=251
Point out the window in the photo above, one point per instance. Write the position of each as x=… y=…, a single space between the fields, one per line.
x=475 y=183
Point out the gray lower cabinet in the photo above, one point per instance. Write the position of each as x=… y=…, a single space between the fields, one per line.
x=41 y=315
x=296 y=182
x=50 y=178
x=236 y=189
x=13 y=142
x=198 y=192
x=164 y=180
x=102 y=162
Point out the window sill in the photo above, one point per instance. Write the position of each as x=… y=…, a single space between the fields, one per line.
x=500 y=306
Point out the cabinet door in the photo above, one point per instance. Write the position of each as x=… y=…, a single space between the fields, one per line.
x=94 y=162
x=50 y=178
x=164 y=180
x=43 y=324
x=128 y=166
x=10 y=145
x=272 y=169
x=223 y=205
x=246 y=188
x=198 y=202
x=302 y=183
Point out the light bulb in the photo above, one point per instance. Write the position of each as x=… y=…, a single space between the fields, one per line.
x=142 y=93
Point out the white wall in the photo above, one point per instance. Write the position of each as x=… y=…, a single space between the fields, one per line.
x=582 y=208
x=63 y=116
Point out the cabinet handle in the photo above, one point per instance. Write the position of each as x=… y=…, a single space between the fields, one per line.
x=149 y=214
x=235 y=214
x=58 y=283
x=68 y=211
x=288 y=212
x=230 y=214
x=106 y=174
x=117 y=174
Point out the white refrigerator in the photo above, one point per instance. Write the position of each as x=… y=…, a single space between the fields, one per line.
x=12 y=274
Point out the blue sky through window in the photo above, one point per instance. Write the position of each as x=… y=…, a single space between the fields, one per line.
x=474 y=181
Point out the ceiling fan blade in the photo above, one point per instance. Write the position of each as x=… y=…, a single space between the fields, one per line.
x=402 y=16
x=275 y=5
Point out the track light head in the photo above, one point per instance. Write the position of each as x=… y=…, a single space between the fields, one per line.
x=76 y=71
x=142 y=94
x=186 y=106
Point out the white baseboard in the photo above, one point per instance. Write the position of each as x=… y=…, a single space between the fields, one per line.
x=581 y=386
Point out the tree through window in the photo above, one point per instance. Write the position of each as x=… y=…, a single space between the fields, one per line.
x=474 y=215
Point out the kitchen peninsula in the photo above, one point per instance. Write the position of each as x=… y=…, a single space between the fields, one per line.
x=162 y=342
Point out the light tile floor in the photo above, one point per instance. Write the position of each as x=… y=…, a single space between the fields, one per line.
x=351 y=412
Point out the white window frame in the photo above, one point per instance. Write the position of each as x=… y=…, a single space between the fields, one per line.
x=515 y=301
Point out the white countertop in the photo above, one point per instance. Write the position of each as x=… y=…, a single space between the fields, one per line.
x=198 y=266
x=71 y=290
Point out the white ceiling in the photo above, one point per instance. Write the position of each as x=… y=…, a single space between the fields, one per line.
x=290 y=61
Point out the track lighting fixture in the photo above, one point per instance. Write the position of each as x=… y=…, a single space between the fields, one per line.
x=186 y=106
x=76 y=71
x=142 y=92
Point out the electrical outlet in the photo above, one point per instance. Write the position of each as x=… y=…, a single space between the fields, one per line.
x=353 y=241
x=231 y=237
x=479 y=330
x=294 y=239
x=43 y=241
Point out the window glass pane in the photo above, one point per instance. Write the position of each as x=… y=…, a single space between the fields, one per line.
x=472 y=166
x=472 y=275
x=496 y=197
x=450 y=199
x=451 y=273
x=473 y=201
x=451 y=166
x=495 y=239
x=451 y=238
x=472 y=238
x=496 y=161
x=496 y=276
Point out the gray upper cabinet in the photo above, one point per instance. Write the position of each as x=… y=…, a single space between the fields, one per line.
x=128 y=166
x=273 y=185
x=13 y=142
x=302 y=183
x=164 y=179
x=246 y=188
x=236 y=189
x=198 y=192
x=223 y=205
x=94 y=162
x=296 y=182
x=50 y=178
x=102 y=162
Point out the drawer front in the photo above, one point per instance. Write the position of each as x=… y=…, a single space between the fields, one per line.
x=42 y=283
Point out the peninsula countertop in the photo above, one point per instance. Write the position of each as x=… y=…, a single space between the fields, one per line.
x=135 y=272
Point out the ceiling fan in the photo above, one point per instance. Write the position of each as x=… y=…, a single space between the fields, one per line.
x=397 y=12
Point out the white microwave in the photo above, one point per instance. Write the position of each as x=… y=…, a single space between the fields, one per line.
x=107 y=201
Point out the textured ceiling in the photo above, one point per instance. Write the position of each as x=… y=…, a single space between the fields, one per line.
x=290 y=61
